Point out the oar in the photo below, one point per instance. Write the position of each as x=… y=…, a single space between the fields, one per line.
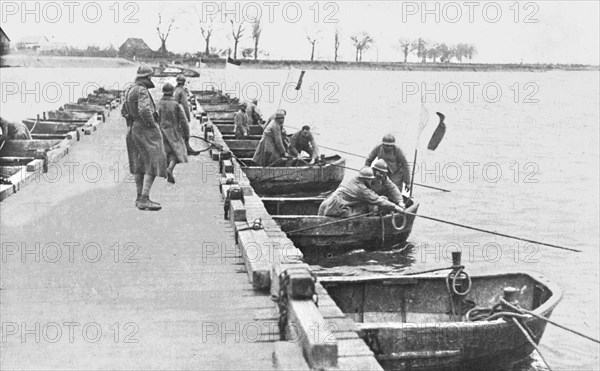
x=491 y=232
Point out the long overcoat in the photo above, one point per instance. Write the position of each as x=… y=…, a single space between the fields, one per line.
x=172 y=123
x=270 y=148
x=145 y=143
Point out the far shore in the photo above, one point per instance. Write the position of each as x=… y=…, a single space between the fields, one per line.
x=14 y=60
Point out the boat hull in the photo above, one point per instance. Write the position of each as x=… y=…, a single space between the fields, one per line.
x=269 y=181
x=406 y=321
x=52 y=127
x=339 y=237
x=229 y=129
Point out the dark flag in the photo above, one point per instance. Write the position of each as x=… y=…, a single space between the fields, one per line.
x=299 y=84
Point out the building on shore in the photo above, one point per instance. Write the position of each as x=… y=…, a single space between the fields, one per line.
x=4 y=42
x=135 y=48
x=35 y=43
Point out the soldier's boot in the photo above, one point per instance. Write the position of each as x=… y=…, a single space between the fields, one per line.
x=144 y=203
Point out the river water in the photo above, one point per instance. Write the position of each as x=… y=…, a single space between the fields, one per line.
x=520 y=156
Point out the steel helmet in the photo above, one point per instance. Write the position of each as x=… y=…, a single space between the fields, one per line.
x=388 y=140
x=144 y=71
x=180 y=78
x=381 y=165
x=366 y=173
x=168 y=88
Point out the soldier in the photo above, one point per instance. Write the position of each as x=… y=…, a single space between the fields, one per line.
x=304 y=140
x=394 y=158
x=13 y=130
x=181 y=96
x=254 y=116
x=240 y=120
x=383 y=186
x=355 y=197
x=147 y=158
x=172 y=123
x=271 y=149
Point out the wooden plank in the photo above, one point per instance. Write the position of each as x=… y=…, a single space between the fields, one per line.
x=35 y=165
x=214 y=154
x=237 y=211
x=276 y=269
x=255 y=253
x=6 y=190
x=359 y=363
x=227 y=167
x=306 y=324
x=288 y=356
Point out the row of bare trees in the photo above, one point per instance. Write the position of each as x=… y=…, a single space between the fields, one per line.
x=362 y=41
x=424 y=49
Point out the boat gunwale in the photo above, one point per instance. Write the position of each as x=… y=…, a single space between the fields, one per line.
x=545 y=307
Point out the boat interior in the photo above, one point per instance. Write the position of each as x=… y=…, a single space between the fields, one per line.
x=425 y=299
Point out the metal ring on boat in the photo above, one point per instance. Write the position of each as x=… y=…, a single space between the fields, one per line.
x=403 y=226
x=454 y=276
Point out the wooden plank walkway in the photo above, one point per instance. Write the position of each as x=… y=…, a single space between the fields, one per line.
x=87 y=281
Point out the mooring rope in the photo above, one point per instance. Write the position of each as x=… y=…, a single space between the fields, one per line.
x=530 y=340
x=519 y=309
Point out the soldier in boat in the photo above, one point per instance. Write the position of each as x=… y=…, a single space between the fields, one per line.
x=394 y=158
x=303 y=140
x=145 y=148
x=284 y=135
x=173 y=124
x=13 y=130
x=383 y=186
x=240 y=121
x=254 y=116
x=270 y=149
x=355 y=197
x=181 y=96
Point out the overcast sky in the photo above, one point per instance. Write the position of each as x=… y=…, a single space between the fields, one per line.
x=503 y=31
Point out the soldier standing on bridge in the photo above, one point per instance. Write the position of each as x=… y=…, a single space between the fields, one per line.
x=181 y=96
x=147 y=158
x=172 y=124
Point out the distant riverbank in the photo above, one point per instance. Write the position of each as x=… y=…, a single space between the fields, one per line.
x=218 y=63
x=399 y=66
x=43 y=61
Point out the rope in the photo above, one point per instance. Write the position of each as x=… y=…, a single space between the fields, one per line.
x=220 y=148
x=530 y=340
x=492 y=232
x=329 y=223
x=519 y=309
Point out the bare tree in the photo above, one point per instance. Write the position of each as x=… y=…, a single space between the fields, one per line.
x=256 y=31
x=405 y=46
x=433 y=52
x=163 y=35
x=420 y=46
x=362 y=41
x=336 y=44
x=312 y=40
x=470 y=51
x=237 y=35
x=206 y=27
